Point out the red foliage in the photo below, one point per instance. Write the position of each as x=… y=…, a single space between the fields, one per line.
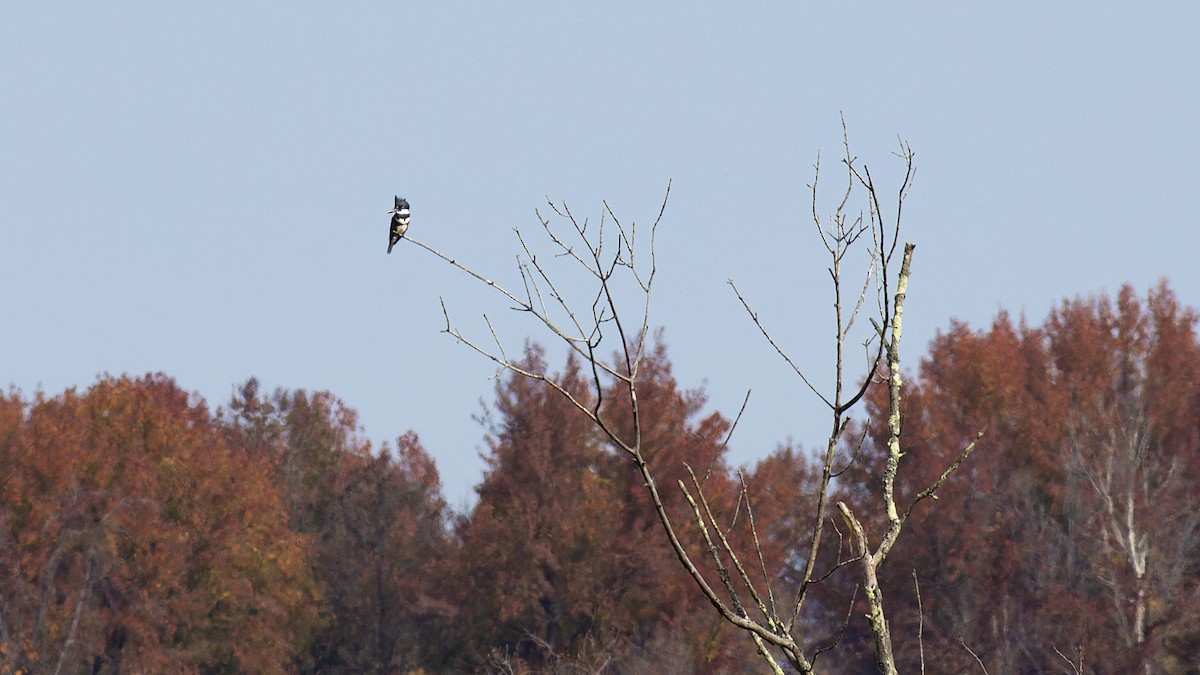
x=563 y=556
x=140 y=533
x=139 y=541
x=1069 y=526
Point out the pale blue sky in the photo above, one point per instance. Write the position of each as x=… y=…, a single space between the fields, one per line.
x=201 y=189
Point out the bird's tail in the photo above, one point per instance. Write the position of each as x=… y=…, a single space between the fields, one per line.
x=390 y=245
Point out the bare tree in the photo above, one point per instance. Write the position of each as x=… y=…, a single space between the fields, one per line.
x=619 y=261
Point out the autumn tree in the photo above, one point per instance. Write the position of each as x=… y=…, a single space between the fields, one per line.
x=379 y=554
x=376 y=523
x=302 y=437
x=558 y=563
x=1132 y=378
x=617 y=262
x=137 y=539
x=528 y=550
x=1077 y=536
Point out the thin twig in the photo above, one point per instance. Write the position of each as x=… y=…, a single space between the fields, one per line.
x=972 y=653
x=737 y=564
x=774 y=616
x=728 y=435
x=920 y=621
x=723 y=572
x=841 y=632
x=929 y=491
x=778 y=349
x=1078 y=669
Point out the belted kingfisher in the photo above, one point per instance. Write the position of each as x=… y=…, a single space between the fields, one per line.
x=399 y=222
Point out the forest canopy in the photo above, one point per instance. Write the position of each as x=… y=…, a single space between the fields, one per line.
x=143 y=531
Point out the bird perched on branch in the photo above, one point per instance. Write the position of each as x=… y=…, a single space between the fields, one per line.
x=399 y=222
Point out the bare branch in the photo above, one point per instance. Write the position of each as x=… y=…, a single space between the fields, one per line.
x=862 y=296
x=929 y=491
x=722 y=571
x=508 y=365
x=762 y=564
x=970 y=651
x=767 y=613
x=554 y=293
x=778 y=349
x=894 y=416
x=566 y=250
x=869 y=564
x=814 y=542
x=920 y=621
x=580 y=345
x=520 y=303
x=1075 y=668
x=841 y=630
x=496 y=338
x=725 y=443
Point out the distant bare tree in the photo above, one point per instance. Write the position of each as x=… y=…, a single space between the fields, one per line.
x=622 y=263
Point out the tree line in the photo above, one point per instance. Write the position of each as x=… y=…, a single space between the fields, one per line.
x=142 y=531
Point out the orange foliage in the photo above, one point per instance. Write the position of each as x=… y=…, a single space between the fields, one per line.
x=1075 y=522
x=141 y=533
x=139 y=541
x=563 y=560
